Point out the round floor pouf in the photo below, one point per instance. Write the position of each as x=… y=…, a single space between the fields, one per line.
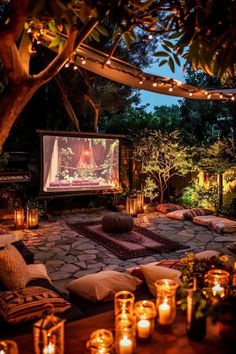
x=117 y=222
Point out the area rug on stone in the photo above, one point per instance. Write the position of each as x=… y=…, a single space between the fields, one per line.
x=139 y=242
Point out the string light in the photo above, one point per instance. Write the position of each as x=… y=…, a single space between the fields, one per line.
x=232 y=98
x=205 y=93
x=67 y=65
x=108 y=62
x=150 y=36
x=75 y=67
x=140 y=82
x=154 y=84
x=83 y=61
x=29 y=30
x=38 y=42
x=221 y=96
x=190 y=93
x=209 y=96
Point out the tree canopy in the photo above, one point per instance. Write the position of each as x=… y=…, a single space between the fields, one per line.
x=202 y=32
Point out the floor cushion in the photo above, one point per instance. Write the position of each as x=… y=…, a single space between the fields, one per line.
x=13 y=269
x=103 y=285
x=7 y=238
x=30 y=303
x=117 y=222
x=153 y=272
x=222 y=225
x=191 y=213
x=165 y=208
x=178 y=214
x=204 y=220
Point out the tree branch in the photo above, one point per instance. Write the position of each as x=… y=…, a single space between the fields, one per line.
x=25 y=52
x=72 y=42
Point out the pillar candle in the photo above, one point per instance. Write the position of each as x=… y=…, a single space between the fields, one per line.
x=143 y=328
x=164 y=313
x=125 y=346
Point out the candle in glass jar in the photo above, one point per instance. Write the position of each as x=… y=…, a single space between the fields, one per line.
x=143 y=328
x=125 y=346
x=49 y=349
x=218 y=290
x=164 y=312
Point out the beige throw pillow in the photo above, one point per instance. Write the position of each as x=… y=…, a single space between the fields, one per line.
x=37 y=271
x=102 y=286
x=13 y=269
x=152 y=272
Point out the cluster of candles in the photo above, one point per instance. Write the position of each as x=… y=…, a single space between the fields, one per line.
x=135 y=321
x=32 y=218
x=8 y=347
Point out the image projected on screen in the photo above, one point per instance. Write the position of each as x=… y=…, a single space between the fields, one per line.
x=80 y=164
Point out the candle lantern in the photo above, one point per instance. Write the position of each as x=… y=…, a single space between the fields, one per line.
x=145 y=313
x=19 y=218
x=165 y=301
x=140 y=201
x=48 y=335
x=8 y=347
x=131 y=205
x=32 y=218
x=101 y=342
x=218 y=281
x=124 y=303
x=125 y=342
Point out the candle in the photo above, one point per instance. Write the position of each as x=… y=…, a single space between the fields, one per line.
x=49 y=349
x=125 y=346
x=218 y=290
x=144 y=328
x=164 y=312
x=2 y=351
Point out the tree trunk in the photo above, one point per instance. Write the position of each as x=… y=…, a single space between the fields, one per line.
x=220 y=176
x=12 y=104
x=161 y=196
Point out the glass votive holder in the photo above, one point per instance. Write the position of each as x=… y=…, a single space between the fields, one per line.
x=124 y=303
x=100 y=342
x=8 y=347
x=218 y=281
x=125 y=342
x=145 y=313
x=165 y=301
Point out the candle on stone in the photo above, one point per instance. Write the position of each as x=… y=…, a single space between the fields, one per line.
x=164 y=312
x=125 y=346
x=218 y=290
x=144 y=328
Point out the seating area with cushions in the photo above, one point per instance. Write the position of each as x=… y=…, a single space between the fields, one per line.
x=199 y=216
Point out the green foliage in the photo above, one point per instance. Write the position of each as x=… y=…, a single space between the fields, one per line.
x=161 y=156
x=195 y=195
x=35 y=204
x=150 y=189
x=194 y=266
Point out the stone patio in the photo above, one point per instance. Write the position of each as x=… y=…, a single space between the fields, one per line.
x=69 y=255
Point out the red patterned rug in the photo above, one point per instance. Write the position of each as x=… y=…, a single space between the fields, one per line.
x=139 y=242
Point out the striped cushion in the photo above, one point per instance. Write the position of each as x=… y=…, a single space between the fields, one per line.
x=191 y=213
x=30 y=303
x=222 y=225
x=204 y=220
x=178 y=214
x=168 y=207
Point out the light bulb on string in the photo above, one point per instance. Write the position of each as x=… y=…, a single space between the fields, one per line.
x=221 y=96
x=83 y=61
x=75 y=67
x=209 y=96
x=232 y=98
x=154 y=84
x=150 y=36
x=190 y=94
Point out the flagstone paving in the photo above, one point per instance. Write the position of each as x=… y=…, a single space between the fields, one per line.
x=68 y=255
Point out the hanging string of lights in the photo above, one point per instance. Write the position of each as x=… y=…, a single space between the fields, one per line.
x=117 y=70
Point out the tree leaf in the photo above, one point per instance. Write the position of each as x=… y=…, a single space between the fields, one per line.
x=102 y=30
x=171 y=64
x=169 y=44
x=163 y=62
x=95 y=35
x=166 y=48
x=52 y=27
x=55 y=42
x=61 y=45
x=127 y=39
x=176 y=59
x=161 y=54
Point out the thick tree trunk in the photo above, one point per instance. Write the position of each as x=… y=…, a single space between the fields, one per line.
x=12 y=104
x=161 y=196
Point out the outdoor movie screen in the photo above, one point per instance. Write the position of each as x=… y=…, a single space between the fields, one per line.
x=73 y=164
